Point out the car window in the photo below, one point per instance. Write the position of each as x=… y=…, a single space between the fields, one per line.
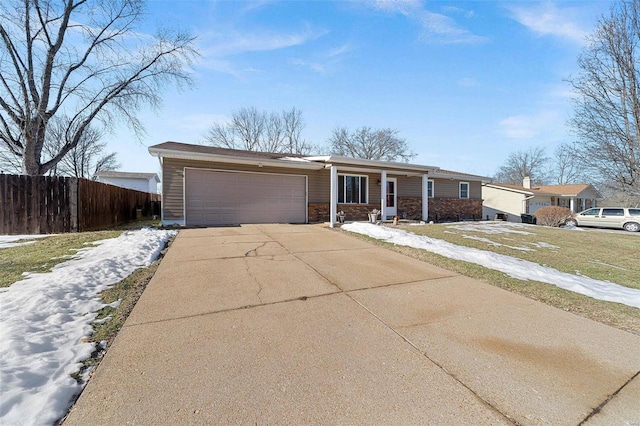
x=634 y=212
x=612 y=212
x=591 y=212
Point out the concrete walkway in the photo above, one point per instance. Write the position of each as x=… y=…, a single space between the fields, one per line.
x=284 y=324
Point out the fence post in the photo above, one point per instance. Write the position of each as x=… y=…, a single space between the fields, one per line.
x=74 y=204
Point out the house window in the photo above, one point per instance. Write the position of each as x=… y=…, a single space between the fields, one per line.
x=430 y=188
x=352 y=189
x=464 y=189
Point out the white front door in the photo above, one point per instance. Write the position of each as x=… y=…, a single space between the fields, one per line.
x=392 y=197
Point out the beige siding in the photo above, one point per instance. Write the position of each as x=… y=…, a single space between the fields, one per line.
x=409 y=186
x=588 y=194
x=318 y=181
x=450 y=188
x=502 y=201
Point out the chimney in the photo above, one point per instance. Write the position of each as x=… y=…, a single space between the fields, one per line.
x=526 y=182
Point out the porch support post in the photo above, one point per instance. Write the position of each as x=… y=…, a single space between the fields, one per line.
x=572 y=204
x=333 y=208
x=425 y=197
x=383 y=195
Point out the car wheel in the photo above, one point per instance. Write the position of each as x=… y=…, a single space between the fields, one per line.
x=571 y=222
x=631 y=227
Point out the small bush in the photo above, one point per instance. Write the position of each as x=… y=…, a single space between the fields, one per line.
x=553 y=216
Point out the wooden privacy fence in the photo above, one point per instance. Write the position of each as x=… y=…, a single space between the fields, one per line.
x=51 y=204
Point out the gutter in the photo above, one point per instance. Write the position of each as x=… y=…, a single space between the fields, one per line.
x=260 y=162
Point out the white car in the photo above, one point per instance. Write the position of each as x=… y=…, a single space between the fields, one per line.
x=609 y=217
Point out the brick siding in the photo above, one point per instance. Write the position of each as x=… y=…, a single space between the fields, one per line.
x=454 y=209
x=440 y=210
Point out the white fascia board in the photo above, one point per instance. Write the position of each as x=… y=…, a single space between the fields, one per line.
x=464 y=177
x=390 y=172
x=504 y=188
x=376 y=165
x=382 y=164
x=198 y=156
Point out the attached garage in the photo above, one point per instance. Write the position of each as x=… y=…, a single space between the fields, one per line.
x=222 y=197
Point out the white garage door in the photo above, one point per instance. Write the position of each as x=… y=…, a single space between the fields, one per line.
x=222 y=198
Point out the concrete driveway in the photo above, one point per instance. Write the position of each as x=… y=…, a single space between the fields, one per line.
x=285 y=324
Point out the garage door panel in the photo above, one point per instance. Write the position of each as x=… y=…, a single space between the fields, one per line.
x=220 y=198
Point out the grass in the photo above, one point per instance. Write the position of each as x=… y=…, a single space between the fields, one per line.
x=600 y=255
x=110 y=320
x=604 y=256
x=47 y=252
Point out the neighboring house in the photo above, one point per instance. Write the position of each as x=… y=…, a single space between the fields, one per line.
x=145 y=182
x=516 y=200
x=205 y=185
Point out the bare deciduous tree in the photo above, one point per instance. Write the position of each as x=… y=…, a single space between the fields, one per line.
x=253 y=130
x=523 y=163
x=606 y=117
x=565 y=169
x=84 y=59
x=86 y=159
x=371 y=144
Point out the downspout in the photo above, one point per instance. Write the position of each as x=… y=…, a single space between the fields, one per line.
x=383 y=195
x=333 y=196
x=161 y=191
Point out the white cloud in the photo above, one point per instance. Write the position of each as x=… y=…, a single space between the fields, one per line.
x=459 y=10
x=324 y=62
x=529 y=126
x=314 y=66
x=396 y=6
x=217 y=48
x=340 y=50
x=436 y=27
x=548 y=19
x=226 y=44
x=441 y=28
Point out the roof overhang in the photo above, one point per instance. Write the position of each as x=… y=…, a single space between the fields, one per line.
x=373 y=166
x=260 y=162
x=460 y=176
x=505 y=188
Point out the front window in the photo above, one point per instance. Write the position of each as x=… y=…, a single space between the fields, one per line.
x=352 y=189
x=430 y=189
x=464 y=189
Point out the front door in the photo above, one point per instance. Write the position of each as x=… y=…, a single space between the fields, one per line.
x=392 y=197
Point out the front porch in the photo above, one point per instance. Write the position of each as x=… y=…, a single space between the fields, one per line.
x=352 y=194
x=409 y=208
x=574 y=204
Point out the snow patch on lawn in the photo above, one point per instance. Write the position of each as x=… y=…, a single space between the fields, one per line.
x=516 y=268
x=7 y=241
x=493 y=228
x=495 y=244
x=45 y=318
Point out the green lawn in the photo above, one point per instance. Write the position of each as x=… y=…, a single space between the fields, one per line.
x=45 y=253
x=599 y=255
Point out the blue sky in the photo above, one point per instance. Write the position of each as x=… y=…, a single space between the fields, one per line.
x=465 y=83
